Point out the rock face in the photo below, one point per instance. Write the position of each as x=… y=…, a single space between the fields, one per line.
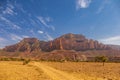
x=27 y=44
x=74 y=42
x=65 y=42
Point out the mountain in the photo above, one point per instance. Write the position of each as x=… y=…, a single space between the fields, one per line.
x=115 y=47
x=68 y=41
x=74 y=42
x=27 y=44
x=72 y=47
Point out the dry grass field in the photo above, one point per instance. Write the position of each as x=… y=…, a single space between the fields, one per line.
x=14 y=70
x=85 y=70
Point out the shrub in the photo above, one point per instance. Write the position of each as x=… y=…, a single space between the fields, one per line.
x=26 y=61
x=101 y=59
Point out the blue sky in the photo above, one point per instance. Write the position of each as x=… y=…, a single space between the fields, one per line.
x=48 y=19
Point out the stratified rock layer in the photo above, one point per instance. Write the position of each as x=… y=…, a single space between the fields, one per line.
x=65 y=42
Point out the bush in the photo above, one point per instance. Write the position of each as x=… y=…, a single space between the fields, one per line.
x=101 y=59
x=26 y=61
x=5 y=59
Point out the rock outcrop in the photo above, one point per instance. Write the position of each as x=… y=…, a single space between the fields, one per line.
x=27 y=44
x=74 y=42
x=65 y=42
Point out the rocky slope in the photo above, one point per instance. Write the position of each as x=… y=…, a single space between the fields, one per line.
x=71 y=47
x=27 y=44
x=65 y=42
x=74 y=42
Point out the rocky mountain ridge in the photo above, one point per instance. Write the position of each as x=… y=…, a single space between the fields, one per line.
x=68 y=41
x=70 y=47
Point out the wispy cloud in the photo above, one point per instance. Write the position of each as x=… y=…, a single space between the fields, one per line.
x=52 y=27
x=48 y=19
x=111 y=40
x=102 y=6
x=3 y=42
x=10 y=23
x=82 y=4
x=42 y=20
x=41 y=32
x=2 y=39
x=25 y=36
x=15 y=37
x=9 y=9
x=48 y=36
x=32 y=32
x=45 y=21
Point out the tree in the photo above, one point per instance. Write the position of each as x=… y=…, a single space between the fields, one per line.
x=101 y=59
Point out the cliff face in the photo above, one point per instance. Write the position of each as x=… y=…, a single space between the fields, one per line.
x=27 y=44
x=74 y=42
x=65 y=42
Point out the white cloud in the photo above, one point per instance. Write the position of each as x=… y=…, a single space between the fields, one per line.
x=111 y=40
x=48 y=19
x=45 y=22
x=102 y=6
x=48 y=36
x=12 y=40
x=82 y=4
x=32 y=32
x=15 y=37
x=2 y=39
x=25 y=36
x=100 y=9
x=41 y=32
x=53 y=28
x=3 y=42
x=42 y=20
x=8 y=22
x=9 y=9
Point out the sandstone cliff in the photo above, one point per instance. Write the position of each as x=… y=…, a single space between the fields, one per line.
x=69 y=41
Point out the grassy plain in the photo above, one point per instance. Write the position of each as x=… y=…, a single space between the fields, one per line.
x=15 y=70
x=89 y=70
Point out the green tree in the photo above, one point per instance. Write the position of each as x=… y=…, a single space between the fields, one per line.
x=26 y=61
x=101 y=59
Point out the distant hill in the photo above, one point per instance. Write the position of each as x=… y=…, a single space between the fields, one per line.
x=72 y=47
x=116 y=47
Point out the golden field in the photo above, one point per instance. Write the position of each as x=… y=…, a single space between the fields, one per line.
x=15 y=70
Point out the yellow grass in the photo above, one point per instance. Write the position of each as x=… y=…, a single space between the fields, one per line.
x=14 y=70
x=111 y=71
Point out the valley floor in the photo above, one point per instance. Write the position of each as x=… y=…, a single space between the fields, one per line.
x=14 y=70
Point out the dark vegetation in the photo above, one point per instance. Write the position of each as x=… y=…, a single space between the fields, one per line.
x=11 y=59
x=26 y=61
x=101 y=59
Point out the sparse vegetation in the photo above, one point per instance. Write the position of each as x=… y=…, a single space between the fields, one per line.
x=11 y=59
x=88 y=70
x=41 y=70
x=14 y=70
x=101 y=59
x=26 y=61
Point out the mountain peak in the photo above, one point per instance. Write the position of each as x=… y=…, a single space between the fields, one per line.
x=30 y=40
x=74 y=36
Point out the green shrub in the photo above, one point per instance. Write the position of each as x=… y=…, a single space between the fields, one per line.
x=101 y=59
